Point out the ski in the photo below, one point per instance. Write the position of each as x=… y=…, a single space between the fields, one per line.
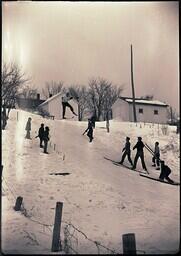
x=67 y=118
x=118 y=164
x=157 y=179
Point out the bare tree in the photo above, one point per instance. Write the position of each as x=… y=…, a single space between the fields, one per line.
x=29 y=92
x=102 y=95
x=52 y=88
x=12 y=80
x=172 y=115
x=79 y=93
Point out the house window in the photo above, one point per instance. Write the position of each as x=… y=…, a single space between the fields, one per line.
x=155 y=112
x=140 y=110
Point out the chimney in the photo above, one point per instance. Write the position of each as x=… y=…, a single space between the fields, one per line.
x=38 y=96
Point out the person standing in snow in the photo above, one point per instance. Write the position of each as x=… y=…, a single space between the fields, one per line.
x=40 y=134
x=139 y=145
x=127 y=152
x=46 y=139
x=156 y=157
x=93 y=120
x=89 y=130
x=165 y=172
x=28 y=128
x=65 y=104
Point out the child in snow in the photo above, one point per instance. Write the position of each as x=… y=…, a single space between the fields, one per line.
x=89 y=130
x=127 y=151
x=156 y=157
x=65 y=104
x=46 y=139
x=165 y=172
x=40 y=134
x=28 y=128
x=139 y=145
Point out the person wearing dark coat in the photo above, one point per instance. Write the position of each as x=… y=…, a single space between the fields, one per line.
x=65 y=104
x=139 y=145
x=165 y=172
x=156 y=157
x=40 y=134
x=93 y=120
x=28 y=128
x=127 y=151
x=46 y=139
x=89 y=130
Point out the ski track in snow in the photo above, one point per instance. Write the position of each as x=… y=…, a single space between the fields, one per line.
x=102 y=200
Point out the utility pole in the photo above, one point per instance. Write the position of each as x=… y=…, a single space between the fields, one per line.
x=132 y=83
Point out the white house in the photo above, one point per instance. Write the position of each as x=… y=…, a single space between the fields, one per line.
x=150 y=111
x=53 y=106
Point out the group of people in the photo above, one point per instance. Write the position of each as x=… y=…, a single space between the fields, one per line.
x=157 y=162
x=43 y=134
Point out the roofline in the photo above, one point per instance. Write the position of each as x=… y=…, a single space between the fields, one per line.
x=142 y=103
x=50 y=98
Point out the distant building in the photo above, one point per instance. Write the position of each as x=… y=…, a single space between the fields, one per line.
x=28 y=103
x=150 y=111
x=53 y=106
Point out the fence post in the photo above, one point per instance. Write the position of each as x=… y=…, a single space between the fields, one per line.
x=54 y=146
x=17 y=115
x=56 y=242
x=129 y=243
x=19 y=201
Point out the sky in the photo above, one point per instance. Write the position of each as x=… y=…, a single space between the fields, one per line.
x=76 y=41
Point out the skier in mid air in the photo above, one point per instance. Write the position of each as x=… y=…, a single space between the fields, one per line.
x=65 y=100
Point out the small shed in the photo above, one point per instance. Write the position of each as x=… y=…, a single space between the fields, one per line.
x=53 y=106
x=150 y=111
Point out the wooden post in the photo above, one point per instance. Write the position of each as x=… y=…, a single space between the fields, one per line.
x=132 y=83
x=54 y=146
x=129 y=243
x=19 y=201
x=1 y=169
x=56 y=243
x=17 y=115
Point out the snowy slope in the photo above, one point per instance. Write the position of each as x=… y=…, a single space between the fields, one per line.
x=101 y=201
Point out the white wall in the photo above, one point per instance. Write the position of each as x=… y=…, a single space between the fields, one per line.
x=120 y=110
x=148 y=114
x=123 y=110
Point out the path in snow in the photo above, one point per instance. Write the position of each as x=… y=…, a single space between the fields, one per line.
x=103 y=200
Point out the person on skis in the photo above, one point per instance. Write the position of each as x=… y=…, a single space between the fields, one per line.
x=127 y=152
x=89 y=130
x=46 y=139
x=165 y=172
x=140 y=154
x=28 y=128
x=40 y=134
x=156 y=157
x=65 y=100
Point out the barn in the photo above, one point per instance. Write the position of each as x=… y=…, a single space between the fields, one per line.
x=150 y=111
x=53 y=107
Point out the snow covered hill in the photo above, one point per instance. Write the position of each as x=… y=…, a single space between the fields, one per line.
x=101 y=201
